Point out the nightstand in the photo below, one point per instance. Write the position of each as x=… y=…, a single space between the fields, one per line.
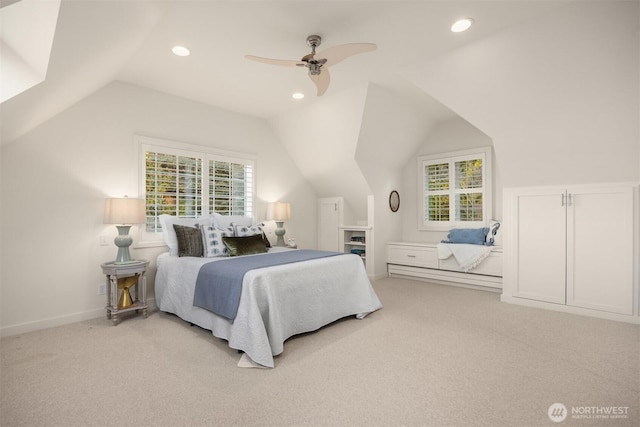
x=121 y=271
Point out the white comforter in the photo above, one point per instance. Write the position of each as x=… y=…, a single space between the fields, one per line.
x=276 y=303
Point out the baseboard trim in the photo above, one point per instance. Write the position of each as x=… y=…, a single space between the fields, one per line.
x=571 y=310
x=22 y=328
x=445 y=282
x=444 y=276
x=379 y=276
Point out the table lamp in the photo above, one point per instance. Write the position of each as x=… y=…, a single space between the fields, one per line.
x=125 y=212
x=279 y=212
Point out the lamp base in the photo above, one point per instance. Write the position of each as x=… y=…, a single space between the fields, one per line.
x=280 y=231
x=123 y=241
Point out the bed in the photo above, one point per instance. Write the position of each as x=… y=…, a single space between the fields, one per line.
x=276 y=302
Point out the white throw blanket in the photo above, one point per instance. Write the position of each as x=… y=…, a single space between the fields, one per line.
x=468 y=256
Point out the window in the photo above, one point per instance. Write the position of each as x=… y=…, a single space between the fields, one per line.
x=231 y=188
x=173 y=186
x=455 y=189
x=187 y=181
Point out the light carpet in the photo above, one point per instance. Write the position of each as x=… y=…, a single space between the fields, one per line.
x=433 y=356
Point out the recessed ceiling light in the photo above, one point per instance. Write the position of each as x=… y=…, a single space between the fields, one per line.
x=297 y=95
x=181 y=51
x=461 y=25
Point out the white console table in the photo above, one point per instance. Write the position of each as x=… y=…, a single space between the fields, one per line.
x=420 y=261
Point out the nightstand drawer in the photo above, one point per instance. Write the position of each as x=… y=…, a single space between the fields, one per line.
x=413 y=256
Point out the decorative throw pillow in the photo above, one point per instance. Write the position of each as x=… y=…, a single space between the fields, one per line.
x=189 y=241
x=247 y=245
x=224 y=221
x=474 y=236
x=491 y=234
x=169 y=233
x=212 y=241
x=240 y=230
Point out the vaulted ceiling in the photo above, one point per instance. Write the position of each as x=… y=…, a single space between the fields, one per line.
x=99 y=41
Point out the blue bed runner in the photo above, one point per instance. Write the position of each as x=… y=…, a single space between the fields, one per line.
x=219 y=284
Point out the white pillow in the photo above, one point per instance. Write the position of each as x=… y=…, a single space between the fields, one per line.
x=169 y=234
x=493 y=235
x=224 y=221
x=212 y=241
x=240 y=230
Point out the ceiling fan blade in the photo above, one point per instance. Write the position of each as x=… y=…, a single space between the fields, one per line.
x=280 y=62
x=321 y=81
x=336 y=54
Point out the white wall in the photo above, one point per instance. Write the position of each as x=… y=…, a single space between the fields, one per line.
x=322 y=139
x=55 y=178
x=452 y=135
x=558 y=96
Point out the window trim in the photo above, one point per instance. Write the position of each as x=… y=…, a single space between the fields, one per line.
x=143 y=143
x=487 y=173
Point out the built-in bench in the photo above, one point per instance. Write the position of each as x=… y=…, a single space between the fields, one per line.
x=420 y=261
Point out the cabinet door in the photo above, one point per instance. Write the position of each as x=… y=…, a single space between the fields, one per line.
x=540 y=245
x=600 y=249
x=329 y=220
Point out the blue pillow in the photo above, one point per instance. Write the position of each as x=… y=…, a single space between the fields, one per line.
x=474 y=236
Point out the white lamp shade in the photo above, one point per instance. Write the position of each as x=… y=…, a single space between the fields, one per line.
x=279 y=211
x=124 y=211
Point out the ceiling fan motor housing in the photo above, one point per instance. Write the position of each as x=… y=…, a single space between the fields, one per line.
x=314 y=65
x=314 y=41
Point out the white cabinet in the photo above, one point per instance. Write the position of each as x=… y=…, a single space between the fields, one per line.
x=600 y=249
x=571 y=246
x=540 y=252
x=412 y=255
x=420 y=261
x=357 y=239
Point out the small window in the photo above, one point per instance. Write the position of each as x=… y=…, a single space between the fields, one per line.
x=455 y=189
x=173 y=186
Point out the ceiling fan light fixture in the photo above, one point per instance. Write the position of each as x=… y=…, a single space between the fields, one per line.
x=298 y=95
x=461 y=25
x=180 y=51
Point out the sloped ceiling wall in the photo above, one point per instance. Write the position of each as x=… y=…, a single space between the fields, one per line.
x=558 y=96
x=26 y=35
x=322 y=140
x=391 y=131
x=94 y=60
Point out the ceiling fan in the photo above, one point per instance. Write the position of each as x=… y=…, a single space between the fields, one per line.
x=318 y=67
